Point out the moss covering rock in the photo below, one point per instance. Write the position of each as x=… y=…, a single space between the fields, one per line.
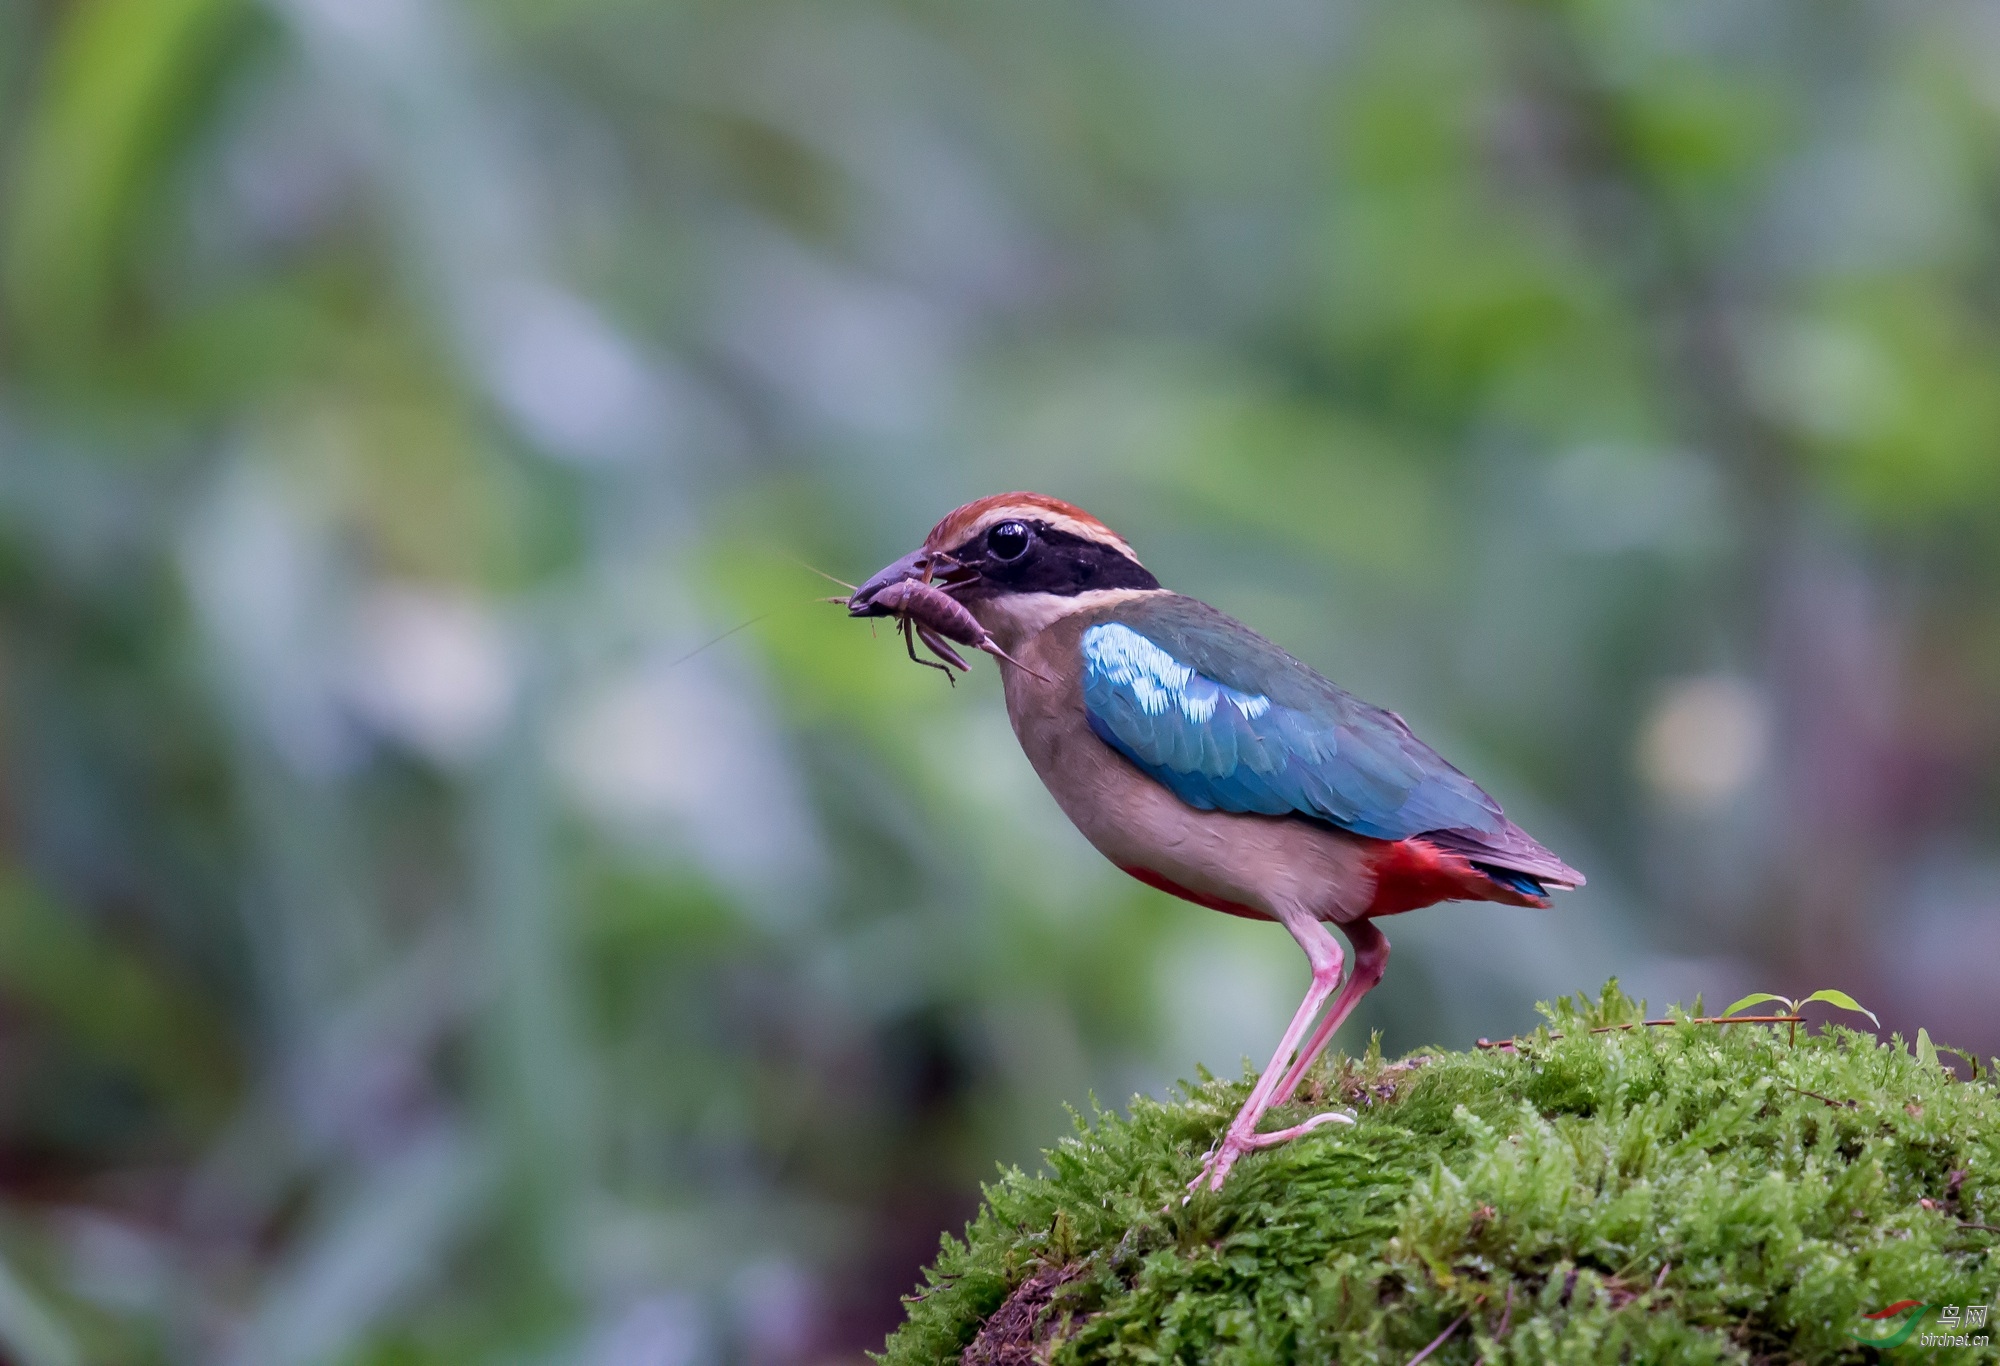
x=1686 y=1193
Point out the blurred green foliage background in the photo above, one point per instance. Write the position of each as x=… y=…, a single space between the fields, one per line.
x=411 y=953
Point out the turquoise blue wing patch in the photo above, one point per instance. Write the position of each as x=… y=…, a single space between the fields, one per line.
x=1227 y=721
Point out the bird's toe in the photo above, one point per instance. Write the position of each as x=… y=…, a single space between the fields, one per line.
x=1272 y=1140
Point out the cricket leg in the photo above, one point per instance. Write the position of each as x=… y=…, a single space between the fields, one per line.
x=910 y=643
x=941 y=647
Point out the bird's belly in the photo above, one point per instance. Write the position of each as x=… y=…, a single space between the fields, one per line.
x=1245 y=864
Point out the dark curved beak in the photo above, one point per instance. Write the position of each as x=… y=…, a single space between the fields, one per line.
x=938 y=568
x=911 y=566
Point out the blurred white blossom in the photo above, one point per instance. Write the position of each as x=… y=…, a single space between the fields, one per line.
x=576 y=386
x=682 y=754
x=262 y=575
x=432 y=668
x=1705 y=740
x=659 y=1330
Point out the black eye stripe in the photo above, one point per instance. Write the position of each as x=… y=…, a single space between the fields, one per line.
x=1062 y=563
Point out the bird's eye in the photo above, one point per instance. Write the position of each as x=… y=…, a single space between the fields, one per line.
x=1008 y=541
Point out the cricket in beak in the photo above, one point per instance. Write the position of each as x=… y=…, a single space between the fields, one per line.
x=915 y=590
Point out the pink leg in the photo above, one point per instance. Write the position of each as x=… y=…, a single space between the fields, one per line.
x=1371 y=956
x=1323 y=952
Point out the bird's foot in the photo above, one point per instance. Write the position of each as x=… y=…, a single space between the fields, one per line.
x=1215 y=1167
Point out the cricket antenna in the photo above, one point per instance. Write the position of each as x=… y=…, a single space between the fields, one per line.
x=719 y=639
x=852 y=588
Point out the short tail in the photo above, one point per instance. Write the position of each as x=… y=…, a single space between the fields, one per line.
x=1513 y=880
x=1511 y=857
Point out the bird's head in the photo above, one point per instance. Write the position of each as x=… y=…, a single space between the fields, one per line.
x=1018 y=561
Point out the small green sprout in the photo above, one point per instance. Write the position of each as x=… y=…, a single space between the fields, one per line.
x=1839 y=999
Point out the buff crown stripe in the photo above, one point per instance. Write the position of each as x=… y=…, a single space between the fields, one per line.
x=969 y=520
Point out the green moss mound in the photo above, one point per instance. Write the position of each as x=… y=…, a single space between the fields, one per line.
x=1686 y=1193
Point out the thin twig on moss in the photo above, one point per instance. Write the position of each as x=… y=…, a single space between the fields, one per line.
x=1825 y=1100
x=1439 y=1340
x=1512 y=1044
